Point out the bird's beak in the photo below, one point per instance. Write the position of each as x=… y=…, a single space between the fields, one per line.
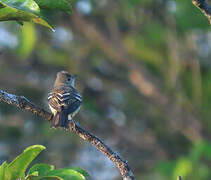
x=74 y=76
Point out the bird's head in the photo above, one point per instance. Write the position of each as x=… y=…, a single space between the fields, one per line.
x=64 y=77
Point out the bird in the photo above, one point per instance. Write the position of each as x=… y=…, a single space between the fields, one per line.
x=64 y=100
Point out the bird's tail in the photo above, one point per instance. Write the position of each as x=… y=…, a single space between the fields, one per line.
x=60 y=119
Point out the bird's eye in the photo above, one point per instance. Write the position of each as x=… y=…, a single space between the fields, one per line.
x=68 y=79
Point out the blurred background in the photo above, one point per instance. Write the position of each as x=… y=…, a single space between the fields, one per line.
x=144 y=70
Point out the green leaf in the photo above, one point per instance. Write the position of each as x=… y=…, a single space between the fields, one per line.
x=3 y=170
x=34 y=176
x=42 y=169
x=63 y=5
x=24 y=5
x=21 y=10
x=67 y=174
x=85 y=173
x=35 y=173
x=18 y=166
x=46 y=171
x=49 y=178
x=31 y=177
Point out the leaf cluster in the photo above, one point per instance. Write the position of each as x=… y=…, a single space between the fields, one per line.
x=31 y=10
x=17 y=168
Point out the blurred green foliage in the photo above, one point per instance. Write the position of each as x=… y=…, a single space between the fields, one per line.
x=158 y=120
x=28 y=40
x=191 y=20
x=190 y=166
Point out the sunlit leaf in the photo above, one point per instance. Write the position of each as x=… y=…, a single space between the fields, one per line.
x=49 y=178
x=18 y=166
x=80 y=171
x=67 y=174
x=3 y=170
x=32 y=176
x=21 y=10
x=44 y=178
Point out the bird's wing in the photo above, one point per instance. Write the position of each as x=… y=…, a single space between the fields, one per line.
x=65 y=98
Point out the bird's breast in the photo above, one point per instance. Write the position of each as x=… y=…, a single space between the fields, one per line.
x=53 y=110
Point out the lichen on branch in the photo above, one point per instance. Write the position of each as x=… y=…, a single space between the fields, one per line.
x=24 y=104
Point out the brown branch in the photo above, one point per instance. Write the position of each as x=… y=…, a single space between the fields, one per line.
x=204 y=7
x=23 y=103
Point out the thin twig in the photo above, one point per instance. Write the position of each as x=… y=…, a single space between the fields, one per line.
x=204 y=7
x=23 y=103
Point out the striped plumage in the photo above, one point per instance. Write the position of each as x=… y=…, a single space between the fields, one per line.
x=64 y=100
